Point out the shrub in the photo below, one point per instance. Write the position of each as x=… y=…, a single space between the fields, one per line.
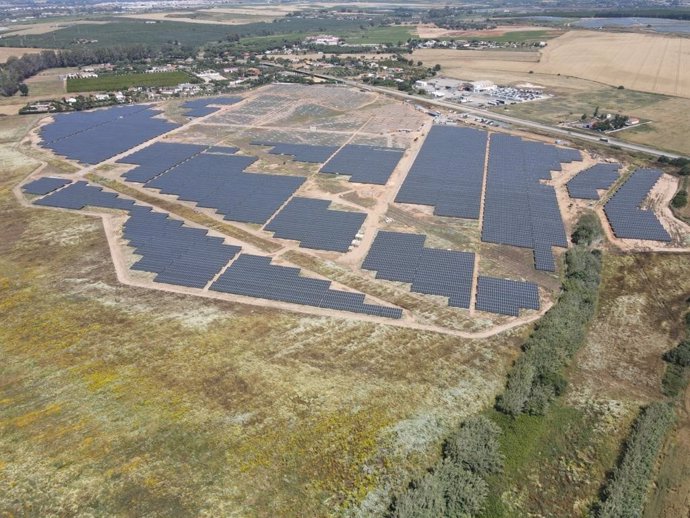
x=474 y=446
x=587 y=230
x=680 y=199
x=626 y=489
x=464 y=491
x=679 y=355
x=424 y=499
x=674 y=380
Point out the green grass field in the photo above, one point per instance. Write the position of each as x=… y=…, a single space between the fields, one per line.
x=373 y=35
x=122 y=81
x=522 y=37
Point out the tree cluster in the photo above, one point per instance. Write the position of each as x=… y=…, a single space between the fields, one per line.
x=677 y=372
x=588 y=230
x=16 y=70
x=456 y=486
x=536 y=378
x=626 y=489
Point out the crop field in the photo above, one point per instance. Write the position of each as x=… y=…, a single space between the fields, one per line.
x=648 y=63
x=123 y=81
x=6 y=52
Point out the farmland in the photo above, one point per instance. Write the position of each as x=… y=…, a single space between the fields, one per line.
x=123 y=81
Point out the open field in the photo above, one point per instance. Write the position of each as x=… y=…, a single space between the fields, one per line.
x=643 y=62
x=222 y=17
x=6 y=52
x=516 y=33
x=118 y=398
x=123 y=81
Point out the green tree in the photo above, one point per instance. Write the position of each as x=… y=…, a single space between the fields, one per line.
x=474 y=446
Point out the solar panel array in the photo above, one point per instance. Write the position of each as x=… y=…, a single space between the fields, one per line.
x=448 y=172
x=91 y=137
x=506 y=297
x=518 y=209
x=44 y=185
x=300 y=152
x=364 y=164
x=402 y=257
x=156 y=158
x=623 y=211
x=223 y=150
x=177 y=254
x=586 y=183
x=255 y=276
x=219 y=182
x=314 y=225
x=200 y=107
x=82 y=194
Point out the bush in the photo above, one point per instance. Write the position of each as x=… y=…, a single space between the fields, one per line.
x=680 y=199
x=424 y=499
x=474 y=447
x=674 y=380
x=679 y=355
x=464 y=491
x=587 y=230
x=626 y=489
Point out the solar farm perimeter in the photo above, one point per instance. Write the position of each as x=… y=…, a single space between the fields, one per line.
x=331 y=201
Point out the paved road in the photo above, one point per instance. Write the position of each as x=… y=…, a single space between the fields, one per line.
x=486 y=114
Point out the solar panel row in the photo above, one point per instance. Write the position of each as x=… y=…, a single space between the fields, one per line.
x=219 y=182
x=364 y=164
x=311 y=222
x=187 y=256
x=402 y=257
x=586 y=183
x=628 y=220
x=448 y=172
x=300 y=152
x=44 y=185
x=518 y=209
x=202 y=107
x=91 y=137
x=81 y=194
x=156 y=158
x=255 y=276
x=506 y=297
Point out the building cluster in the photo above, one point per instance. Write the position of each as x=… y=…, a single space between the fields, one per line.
x=477 y=92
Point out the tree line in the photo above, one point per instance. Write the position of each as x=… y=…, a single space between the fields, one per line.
x=17 y=69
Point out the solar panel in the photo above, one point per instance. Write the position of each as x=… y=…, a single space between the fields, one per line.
x=157 y=158
x=219 y=182
x=402 y=257
x=628 y=220
x=44 y=185
x=448 y=172
x=82 y=194
x=91 y=137
x=255 y=276
x=586 y=183
x=311 y=222
x=506 y=297
x=519 y=210
x=203 y=106
x=300 y=152
x=364 y=164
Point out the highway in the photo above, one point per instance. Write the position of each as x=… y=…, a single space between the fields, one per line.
x=558 y=132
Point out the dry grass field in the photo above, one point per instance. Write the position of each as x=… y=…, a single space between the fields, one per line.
x=7 y=52
x=644 y=62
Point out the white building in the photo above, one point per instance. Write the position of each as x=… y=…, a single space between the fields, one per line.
x=483 y=86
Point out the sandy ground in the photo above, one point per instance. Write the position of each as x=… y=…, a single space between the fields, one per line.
x=241 y=18
x=432 y=32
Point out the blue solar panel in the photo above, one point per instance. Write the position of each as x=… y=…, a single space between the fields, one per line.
x=586 y=183
x=519 y=210
x=448 y=172
x=402 y=257
x=81 y=194
x=300 y=152
x=312 y=223
x=156 y=158
x=44 y=185
x=202 y=106
x=628 y=220
x=91 y=137
x=219 y=182
x=364 y=164
x=255 y=276
x=506 y=297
